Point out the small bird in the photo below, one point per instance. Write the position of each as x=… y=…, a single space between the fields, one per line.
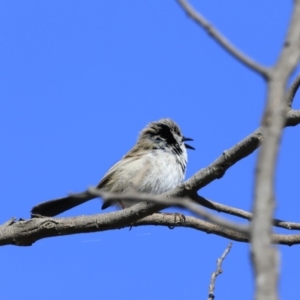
x=160 y=147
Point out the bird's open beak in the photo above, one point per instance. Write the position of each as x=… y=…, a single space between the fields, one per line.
x=184 y=139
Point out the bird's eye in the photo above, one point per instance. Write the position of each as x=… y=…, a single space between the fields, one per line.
x=158 y=139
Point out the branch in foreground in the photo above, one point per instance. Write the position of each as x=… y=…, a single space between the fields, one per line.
x=214 y=275
x=219 y=38
x=27 y=232
x=170 y=201
x=264 y=257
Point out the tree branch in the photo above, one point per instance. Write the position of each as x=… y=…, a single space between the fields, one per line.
x=170 y=201
x=215 y=274
x=217 y=169
x=230 y=210
x=292 y=91
x=27 y=232
x=264 y=257
x=222 y=41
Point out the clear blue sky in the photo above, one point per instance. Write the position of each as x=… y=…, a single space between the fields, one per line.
x=79 y=80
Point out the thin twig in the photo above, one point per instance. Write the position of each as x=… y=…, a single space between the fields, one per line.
x=292 y=91
x=219 y=38
x=230 y=210
x=214 y=275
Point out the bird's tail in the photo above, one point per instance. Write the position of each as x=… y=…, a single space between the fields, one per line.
x=57 y=206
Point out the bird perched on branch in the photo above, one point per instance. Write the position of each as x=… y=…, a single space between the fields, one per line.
x=160 y=146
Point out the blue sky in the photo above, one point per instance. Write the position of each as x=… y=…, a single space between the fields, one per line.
x=79 y=80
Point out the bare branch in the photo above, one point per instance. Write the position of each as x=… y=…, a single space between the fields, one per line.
x=191 y=222
x=171 y=201
x=230 y=210
x=229 y=157
x=292 y=91
x=27 y=232
x=264 y=257
x=24 y=233
x=223 y=42
x=214 y=275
